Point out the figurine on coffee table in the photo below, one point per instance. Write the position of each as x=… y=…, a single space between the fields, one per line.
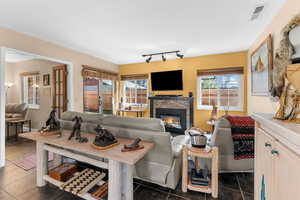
x=76 y=130
x=104 y=139
x=52 y=125
x=134 y=146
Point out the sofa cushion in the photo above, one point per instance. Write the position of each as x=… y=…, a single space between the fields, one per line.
x=86 y=117
x=147 y=124
x=15 y=108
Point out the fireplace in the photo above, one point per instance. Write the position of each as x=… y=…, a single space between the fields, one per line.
x=171 y=121
x=175 y=111
x=174 y=119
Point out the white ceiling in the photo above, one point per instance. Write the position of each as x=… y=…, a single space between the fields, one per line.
x=122 y=30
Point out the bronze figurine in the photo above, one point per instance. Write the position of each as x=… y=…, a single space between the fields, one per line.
x=76 y=130
x=104 y=138
x=52 y=124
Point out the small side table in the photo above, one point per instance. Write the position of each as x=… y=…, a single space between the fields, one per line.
x=139 y=113
x=200 y=153
x=16 y=123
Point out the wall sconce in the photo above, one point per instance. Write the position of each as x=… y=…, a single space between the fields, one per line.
x=9 y=85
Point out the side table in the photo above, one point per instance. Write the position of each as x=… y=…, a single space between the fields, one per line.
x=16 y=123
x=212 y=188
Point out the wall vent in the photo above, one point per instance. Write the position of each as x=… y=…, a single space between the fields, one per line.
x=257 y=12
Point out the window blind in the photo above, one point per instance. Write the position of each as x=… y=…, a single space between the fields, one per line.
x=93 y=72
x=134 y=77
x=223 y=71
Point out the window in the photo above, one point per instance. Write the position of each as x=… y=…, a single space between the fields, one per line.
x=31 y=94
x=135 y=92
x=225 y=91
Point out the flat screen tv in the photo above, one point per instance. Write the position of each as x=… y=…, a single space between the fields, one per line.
x=168 y=80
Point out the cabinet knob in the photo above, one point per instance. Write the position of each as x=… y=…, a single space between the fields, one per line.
x=274 y=152
x=268 y=145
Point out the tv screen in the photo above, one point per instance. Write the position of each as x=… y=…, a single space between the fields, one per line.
x=169 y=80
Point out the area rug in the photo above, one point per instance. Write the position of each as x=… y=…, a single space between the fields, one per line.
x=28 y=162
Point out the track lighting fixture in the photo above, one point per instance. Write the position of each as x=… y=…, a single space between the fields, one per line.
x=148 y=59
x=179 y=55
x=162 y=55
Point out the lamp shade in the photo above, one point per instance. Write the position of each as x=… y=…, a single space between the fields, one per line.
x=295 y=40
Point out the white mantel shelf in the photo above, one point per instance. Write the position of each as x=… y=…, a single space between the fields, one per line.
x=287 y=133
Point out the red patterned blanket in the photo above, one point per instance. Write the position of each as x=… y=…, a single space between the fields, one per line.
x=242 y=130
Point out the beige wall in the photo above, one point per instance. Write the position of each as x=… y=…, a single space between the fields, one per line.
x=14 y=94
x=288 y=11
x=19 y=41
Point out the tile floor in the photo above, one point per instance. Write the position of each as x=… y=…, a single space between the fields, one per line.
x=16 y=183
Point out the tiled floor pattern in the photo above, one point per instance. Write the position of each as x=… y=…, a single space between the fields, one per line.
x=15 y=183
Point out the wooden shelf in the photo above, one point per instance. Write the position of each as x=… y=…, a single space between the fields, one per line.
x=199 y=188
x=57 y=183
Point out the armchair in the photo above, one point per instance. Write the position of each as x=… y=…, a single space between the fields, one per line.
x=222 y=138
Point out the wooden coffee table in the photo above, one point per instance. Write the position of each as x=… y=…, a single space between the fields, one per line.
x=17 y=123
x=120 y=165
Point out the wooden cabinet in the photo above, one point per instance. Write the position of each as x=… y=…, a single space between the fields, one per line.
x=277 y=162
x=286 y=173
x=263 y=165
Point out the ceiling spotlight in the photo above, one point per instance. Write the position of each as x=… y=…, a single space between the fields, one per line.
x=148 y=59
x=179 y=55
x=163 y=57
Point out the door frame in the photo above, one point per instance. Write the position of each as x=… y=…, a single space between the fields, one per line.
x=3 y=51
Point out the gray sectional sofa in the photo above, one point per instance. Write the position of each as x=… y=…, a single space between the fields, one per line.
x=162 y=165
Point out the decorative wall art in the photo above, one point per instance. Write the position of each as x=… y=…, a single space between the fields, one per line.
x=261 y=68
x=46 y=79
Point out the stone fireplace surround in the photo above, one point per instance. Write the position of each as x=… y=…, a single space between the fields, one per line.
x=175 y=105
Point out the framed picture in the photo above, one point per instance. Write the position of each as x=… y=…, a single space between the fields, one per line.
x=261 y=68
x=46 y=79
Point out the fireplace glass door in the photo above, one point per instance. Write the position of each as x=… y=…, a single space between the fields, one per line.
x=171 y=121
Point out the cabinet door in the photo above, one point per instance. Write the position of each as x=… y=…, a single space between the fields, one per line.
x=263 y=165
x=287 y=173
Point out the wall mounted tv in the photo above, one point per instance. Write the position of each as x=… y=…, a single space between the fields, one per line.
x=168 y=80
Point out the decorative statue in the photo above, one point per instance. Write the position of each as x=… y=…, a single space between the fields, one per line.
x=285 y=84
x=52 y=124
x=76 y=130
x=284 y=56
x=134 y=146
x=214 y=112
x=104 y=138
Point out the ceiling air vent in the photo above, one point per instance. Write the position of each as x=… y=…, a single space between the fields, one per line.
x=257 y=12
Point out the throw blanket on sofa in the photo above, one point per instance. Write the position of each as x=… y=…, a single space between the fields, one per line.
x=242 y=130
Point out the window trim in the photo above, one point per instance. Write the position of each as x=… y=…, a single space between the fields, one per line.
x=25 y=91
x=239 y=108
x=134 y=104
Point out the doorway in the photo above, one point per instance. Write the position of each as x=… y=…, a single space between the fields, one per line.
x=30 y=85
x=98 y=95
